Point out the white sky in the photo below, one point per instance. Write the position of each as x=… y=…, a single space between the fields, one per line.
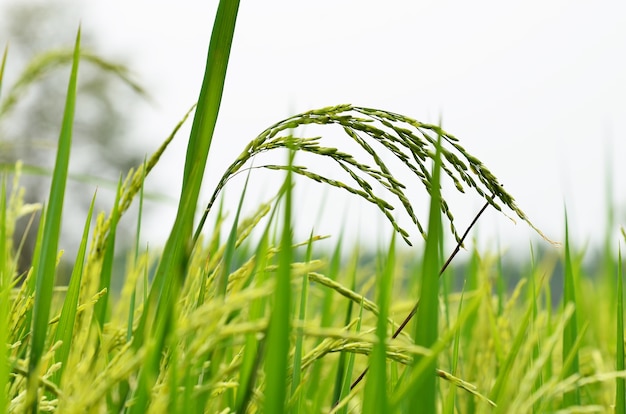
x=534 y=89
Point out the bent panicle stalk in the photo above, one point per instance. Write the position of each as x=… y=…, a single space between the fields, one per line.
x=410 y=141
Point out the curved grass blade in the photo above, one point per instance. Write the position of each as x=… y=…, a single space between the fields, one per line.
x=44 y=273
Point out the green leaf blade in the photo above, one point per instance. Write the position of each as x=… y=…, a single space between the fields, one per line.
x=44 y=272
x=65 y=330
x=620 y=383
x=5 y=290
x=279 y=329
x=426 y=329
x=376 y=398
x=171 y=268
x=570 y=333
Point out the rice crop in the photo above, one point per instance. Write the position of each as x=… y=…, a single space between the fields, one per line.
x=248 y=319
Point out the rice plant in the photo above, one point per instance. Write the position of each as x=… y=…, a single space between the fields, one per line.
x=259 y=321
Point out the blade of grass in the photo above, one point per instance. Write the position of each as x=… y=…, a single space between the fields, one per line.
x=570 y=333
x=222 y=353
x=171 y=269
x=327 y=318
x=297 y=356
x=570 y=358
x=500 y=281
x=345 y=388
x=65 y=330
x=254 y=351
x=229 y=254
x=413 y=312
x=413 y=379
x=178 y=244
x=341 y=374
x=547 y=371
x=212 y=250
x=376 y=396
x=5 y=290
x=524 y=396
x=620 y=383
x=44 y=273
x=278 y=331
x=504 y=372
x=535 y=292
x=30 y=281
x=468 y=345
x=451 y=397
x=426 y=329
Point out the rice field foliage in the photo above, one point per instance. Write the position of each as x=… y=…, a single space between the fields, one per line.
x=249 y=319
x=510 y=357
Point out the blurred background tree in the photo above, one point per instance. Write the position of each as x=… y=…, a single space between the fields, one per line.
x=39 y=37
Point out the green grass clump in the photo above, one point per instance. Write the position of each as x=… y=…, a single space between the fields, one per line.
x=258 y=321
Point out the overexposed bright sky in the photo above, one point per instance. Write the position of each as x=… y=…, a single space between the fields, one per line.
x=534 y=89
